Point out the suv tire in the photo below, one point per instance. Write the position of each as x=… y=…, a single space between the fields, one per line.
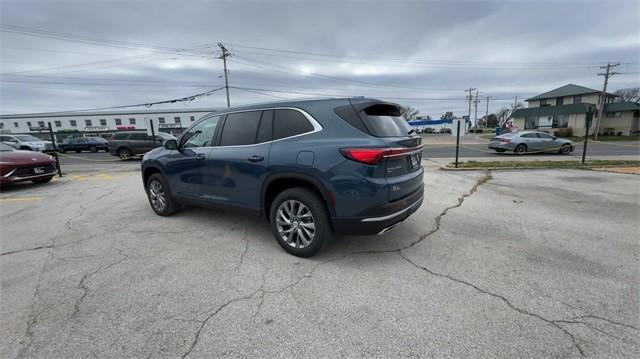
x=159 y=196
x=300 y=213
x=124 y=154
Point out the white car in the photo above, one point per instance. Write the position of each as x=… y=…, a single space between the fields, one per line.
x=26 y=142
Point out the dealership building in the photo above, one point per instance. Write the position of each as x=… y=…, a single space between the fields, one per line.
x=171 y=121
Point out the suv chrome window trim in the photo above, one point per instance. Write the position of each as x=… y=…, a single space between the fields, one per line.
x=317 y=127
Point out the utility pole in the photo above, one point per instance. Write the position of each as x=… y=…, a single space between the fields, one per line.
x=470 y=99
x=603 y=96
x=486 y=116
x=225 y=54
x=475 y=117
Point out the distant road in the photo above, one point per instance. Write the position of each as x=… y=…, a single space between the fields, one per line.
x=467 y=150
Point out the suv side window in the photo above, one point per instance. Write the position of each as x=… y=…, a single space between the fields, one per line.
x=240 y=128
x=201 y=134
x=141 y=136
x=545 y=136
x=529 y=135
x=120 y=136
x=289 y=123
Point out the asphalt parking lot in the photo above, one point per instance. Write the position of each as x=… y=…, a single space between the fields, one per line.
x=502 y=264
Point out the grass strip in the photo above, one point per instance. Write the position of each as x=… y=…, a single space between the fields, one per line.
x=546 y=164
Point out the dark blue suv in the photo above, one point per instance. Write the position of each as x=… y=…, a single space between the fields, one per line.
x=311 y=167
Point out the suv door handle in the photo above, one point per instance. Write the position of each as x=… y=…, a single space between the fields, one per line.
x=256 y=158
x=200 y=157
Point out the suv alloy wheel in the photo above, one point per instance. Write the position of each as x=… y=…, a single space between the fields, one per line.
x=300 y=222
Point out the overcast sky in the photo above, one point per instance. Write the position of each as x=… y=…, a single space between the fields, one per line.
x=67 y=55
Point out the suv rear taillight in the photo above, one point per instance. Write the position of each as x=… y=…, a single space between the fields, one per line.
x=373 y=155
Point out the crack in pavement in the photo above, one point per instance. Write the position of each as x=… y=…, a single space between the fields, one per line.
x=82 y=285
x=213 y=314
x=605 y=320
x=48 y=246
x=26 y=250
x=245 y=239
x=83 y=209
x=502 y=298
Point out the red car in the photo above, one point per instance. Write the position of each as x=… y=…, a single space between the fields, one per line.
x=18 y=166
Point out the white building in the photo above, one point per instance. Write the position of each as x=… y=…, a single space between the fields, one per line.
x=169 y=120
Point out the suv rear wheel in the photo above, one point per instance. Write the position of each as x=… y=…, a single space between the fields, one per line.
x=300 y=222
x=159 y=196
x=124 y=153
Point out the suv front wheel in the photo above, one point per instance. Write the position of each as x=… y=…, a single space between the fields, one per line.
x=159 y=196
x=300 y=222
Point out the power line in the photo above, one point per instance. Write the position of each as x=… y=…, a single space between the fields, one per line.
x=88 y=39
x=418 y=60
x=343 y=95
x=146 y=104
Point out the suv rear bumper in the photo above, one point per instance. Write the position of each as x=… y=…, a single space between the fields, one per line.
x=386 y=217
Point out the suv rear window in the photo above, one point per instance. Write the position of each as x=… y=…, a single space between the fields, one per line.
x=385 y=121
x=380 y=120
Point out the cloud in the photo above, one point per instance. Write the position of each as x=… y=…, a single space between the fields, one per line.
x=396 y=49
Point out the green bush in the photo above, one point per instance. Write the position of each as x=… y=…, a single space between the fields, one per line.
x=563 y=132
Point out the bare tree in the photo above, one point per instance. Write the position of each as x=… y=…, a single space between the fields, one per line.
x=408 y=112
x=631 y=94
x=447 y=115
x=503 y=114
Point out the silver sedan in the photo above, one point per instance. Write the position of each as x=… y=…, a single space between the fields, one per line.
x=530 y=141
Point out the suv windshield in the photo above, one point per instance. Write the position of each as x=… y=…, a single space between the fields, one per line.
x=26 y=138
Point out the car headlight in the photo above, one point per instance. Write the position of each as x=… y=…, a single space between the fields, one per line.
x=51 y=158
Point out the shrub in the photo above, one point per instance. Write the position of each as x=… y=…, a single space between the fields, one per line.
x=563 y=132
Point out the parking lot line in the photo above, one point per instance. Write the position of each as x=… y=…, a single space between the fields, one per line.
x=21 y=199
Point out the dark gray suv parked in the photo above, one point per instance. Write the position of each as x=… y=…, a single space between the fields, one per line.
x=128 y=144
x=311 y=167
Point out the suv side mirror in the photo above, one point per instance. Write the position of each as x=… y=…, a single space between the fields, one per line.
x=171 y=144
